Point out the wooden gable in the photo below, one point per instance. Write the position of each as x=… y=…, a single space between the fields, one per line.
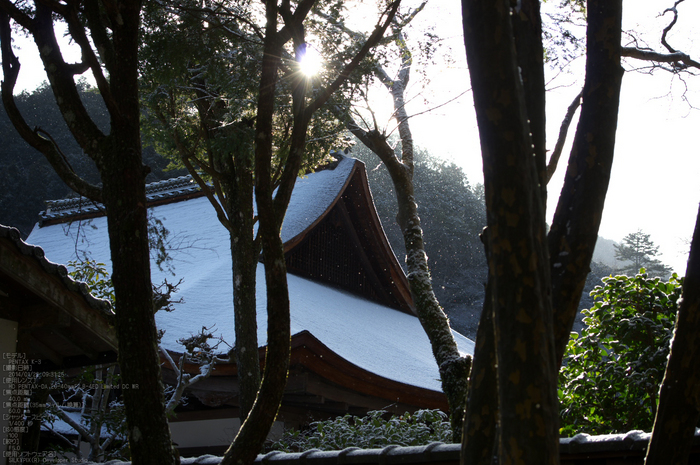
x=347 y=247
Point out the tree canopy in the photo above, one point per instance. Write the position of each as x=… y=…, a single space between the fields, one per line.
x=637 y=251
x=610 y=378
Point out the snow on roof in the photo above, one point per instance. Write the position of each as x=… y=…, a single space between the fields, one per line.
x=376 y=338
x=313 y=195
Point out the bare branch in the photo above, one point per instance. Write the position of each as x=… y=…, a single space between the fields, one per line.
x=80 y=429
x=680 y=60
x=373 y=39
x=666 y=30
x=563 y=130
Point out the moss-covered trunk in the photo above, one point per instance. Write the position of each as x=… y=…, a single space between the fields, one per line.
x=454 y=368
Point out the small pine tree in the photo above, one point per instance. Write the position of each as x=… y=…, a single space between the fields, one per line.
x=638 y=251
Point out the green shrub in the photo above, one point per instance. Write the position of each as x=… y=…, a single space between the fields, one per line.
x=612 y=371
x=369 y=432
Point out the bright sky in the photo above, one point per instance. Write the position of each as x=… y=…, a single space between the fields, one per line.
x=654 y=184
x=655 y=181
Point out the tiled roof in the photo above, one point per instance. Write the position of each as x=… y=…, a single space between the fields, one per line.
x=586 y=449
x=60 y=271
x=155 y=192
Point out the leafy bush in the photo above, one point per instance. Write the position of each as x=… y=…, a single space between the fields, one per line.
x=371 y=431
x=611 y=375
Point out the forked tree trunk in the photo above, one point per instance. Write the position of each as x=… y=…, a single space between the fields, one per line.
x=517 y=253
x=255 y=428
x=576 y=222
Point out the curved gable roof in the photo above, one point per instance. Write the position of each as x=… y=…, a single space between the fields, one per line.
x=366 y=333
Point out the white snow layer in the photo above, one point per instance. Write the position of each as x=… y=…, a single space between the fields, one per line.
x=376 y=338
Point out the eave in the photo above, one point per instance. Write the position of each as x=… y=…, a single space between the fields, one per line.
x=59 y=322
x=320 y=381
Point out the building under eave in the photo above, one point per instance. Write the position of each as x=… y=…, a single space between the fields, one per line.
x=356 y=342
x=47 y=322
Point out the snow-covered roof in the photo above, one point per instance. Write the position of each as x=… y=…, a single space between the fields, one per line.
x=374 y=337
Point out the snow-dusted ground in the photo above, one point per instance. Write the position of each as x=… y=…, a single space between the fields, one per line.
x=376 y=338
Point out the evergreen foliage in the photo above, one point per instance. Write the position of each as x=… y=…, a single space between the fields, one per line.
x=370 y=432
x=638 y=251
x=612 y=370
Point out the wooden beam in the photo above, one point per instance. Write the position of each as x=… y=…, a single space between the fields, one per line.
x=27 y=272
x=43 y=316
x=45 y=351
x=364 y=259
x=77 y=345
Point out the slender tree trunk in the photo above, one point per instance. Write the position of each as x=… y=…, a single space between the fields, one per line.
x=254 y=430
x=481 y=418
x=679 y=399
x=244 y=253
x=574 y=229
x=454 y=369
x=235 y=173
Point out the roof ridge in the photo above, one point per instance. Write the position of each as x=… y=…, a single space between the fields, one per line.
x=157 y=191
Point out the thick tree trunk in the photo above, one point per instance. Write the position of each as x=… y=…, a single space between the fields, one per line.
x=118 y=158
x=124 y=192
x=527 y=31
x=517 y=253
x=574 y=229
x=125 y=200
x=679 y=399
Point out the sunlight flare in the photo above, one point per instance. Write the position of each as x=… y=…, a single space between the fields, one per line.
x=310 y=61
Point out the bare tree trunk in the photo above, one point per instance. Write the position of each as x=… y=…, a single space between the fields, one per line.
x=517 y=253
x=679 y=399
x=574 y=229
x=118 y=158
x=254 y=430
x=481 y=418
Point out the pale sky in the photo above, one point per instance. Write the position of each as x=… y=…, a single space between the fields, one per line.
x=654 y=184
